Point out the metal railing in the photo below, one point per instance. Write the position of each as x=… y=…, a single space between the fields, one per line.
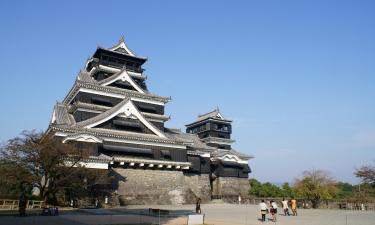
x=11 y=204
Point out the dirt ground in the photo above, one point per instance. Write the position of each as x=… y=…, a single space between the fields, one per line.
x=217 y=214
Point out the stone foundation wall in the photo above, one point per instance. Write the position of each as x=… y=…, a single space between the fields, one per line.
x=230 y=186
x=197 y=186
x=136 y=186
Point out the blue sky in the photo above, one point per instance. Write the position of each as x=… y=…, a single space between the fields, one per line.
x=297 y=77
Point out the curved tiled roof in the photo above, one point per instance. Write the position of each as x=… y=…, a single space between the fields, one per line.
x=189 y=139
x=101 y=108
x=125 y=92
x=112 y=90
x=99 y=132
x=222 y=152
x=77 y=104
x=210 y=115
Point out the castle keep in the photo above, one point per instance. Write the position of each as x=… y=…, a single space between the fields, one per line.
x=111 y=113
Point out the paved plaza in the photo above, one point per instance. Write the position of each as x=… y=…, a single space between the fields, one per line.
x=217 y=214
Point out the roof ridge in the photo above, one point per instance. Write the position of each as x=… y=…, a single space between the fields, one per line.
x=116 y=134
x=122 y=91
x=205 y=114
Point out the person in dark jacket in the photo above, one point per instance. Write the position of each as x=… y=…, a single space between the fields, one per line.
x=22 y=203
x=198 y=206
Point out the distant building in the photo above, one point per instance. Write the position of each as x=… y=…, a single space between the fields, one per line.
x=110 y=111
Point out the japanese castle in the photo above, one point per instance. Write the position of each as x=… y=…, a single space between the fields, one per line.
x=111 y=113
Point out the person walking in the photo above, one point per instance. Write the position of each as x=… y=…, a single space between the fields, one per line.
x=273 y=210
x=198 y=206
x=294 y=206
x=263 y=210
x=285 y=207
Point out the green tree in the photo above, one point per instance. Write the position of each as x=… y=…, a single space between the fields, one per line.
x=254 y=186
x=264 y=190
x=287 y=190
x=344 y=190
x=270 y=190
x=316 y=185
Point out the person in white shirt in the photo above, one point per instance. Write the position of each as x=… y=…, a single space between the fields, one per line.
x=273 y=210
x=263 y=210
x=285 y=207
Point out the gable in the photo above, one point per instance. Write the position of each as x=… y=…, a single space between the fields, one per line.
x=127 y=110
x=218 y=115
x=122 y=48
x=125 y=124
x=124 y=78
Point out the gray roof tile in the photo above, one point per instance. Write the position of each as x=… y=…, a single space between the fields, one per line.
x=187 y=138
x=62 y=117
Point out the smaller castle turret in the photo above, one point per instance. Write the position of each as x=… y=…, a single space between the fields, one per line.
x=213 y=129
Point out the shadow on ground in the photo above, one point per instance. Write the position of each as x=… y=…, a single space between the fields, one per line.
x=99 y=217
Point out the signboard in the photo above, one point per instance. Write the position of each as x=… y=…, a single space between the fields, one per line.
x=195 y=219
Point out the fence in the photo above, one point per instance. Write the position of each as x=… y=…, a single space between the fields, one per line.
x=10 y=204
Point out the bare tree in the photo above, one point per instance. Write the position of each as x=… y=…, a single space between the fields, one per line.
x=316 y=185
x=367 y=174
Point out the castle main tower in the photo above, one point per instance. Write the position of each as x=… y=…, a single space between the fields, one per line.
x=110 y=112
